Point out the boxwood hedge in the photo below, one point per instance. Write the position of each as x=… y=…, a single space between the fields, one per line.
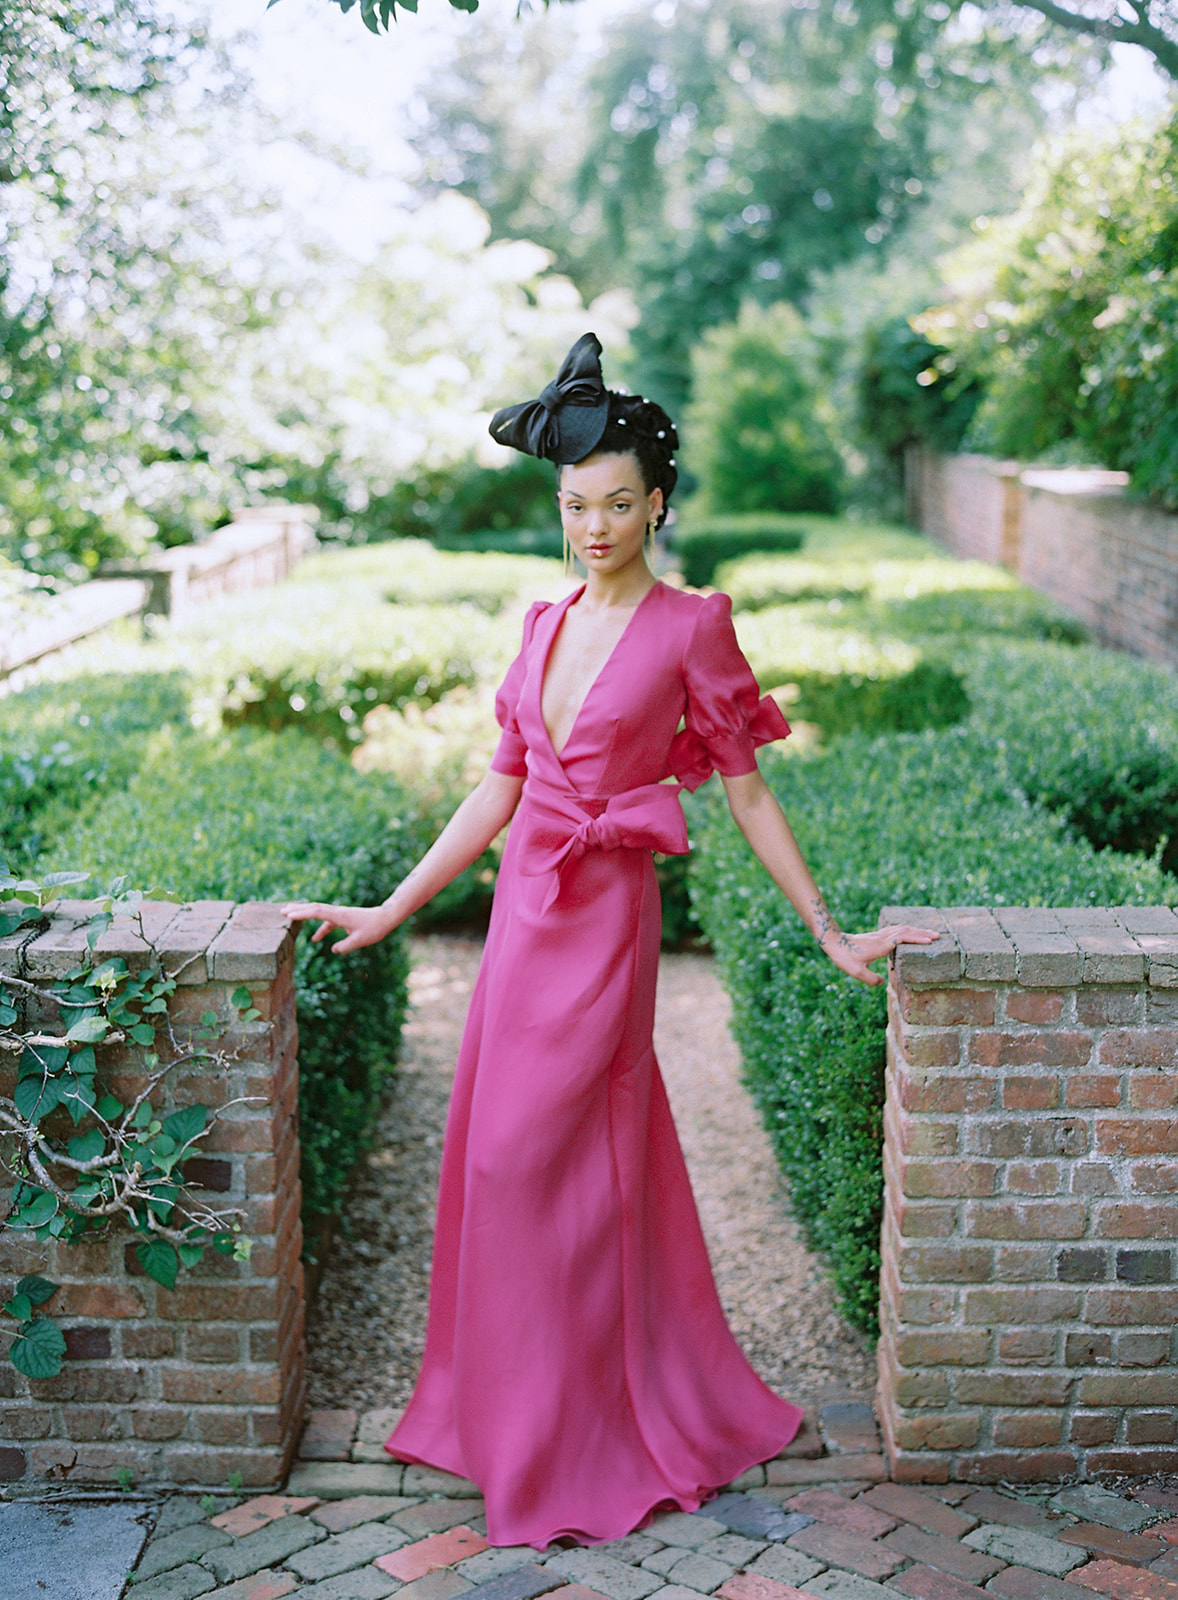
x=246 y=815
x=918 y=819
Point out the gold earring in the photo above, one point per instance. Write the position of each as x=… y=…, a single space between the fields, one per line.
x=568 y=555
x=650 y=532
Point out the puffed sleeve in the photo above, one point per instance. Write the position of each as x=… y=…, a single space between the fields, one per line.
x=512 y=748
x=727 y=718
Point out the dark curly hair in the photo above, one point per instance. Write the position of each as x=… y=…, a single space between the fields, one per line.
x=640 y=428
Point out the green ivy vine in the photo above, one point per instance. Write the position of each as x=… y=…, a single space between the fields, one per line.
x=82 y=1159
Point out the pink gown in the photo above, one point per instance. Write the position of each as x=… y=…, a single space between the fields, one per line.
x=577 y=1365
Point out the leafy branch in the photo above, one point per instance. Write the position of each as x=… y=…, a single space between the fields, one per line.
x=82 y=1159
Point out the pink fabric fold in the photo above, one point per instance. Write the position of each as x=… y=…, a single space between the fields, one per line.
x=560 y=825
x=695 y=756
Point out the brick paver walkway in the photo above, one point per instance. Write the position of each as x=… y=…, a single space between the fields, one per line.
x=821 y=1520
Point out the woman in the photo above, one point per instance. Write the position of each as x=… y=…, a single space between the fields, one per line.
x=577 y=1365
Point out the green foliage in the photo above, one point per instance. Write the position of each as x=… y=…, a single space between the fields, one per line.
x=60 y=744
x=1070 y=313
x=756 y=431
x=112 y=1156
x=702 y=543
x=1089 y=733
x=254 y=816
x=382 y=14
x=911 y=391
x=921 y=819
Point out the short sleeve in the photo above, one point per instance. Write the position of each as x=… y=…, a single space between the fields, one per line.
x=727 y=718
x=509 y=757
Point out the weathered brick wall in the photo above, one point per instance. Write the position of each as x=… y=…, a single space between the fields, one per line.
x=1074 y=535
x=192 y=1385
x=1029 y=1295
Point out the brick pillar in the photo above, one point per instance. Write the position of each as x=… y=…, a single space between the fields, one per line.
x=192 y=1385
x=1029 y=1293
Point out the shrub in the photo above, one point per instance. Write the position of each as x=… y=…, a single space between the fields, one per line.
x=248 y=815
x=756 y=431
x=60 y=744
x=1089 y=733
x=703 y=543
x=920 y=819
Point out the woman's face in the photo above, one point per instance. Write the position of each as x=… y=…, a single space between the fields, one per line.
x=605 y=509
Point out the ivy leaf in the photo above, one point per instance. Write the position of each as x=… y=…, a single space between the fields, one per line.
x=87 y=1146
x=109 y=1107
x=38 y=1349
x=8 y=1014
x=34 y=1213
x=186 y=1124
x=89 y=1030
x=36 y=1098
x=191 y=1254
x=20 y=1307
x=63 y=880
x=78 y=1098
x=38 y=1289
x=158 y=1259
x=142 y=1033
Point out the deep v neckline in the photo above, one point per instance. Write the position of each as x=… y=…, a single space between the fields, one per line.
x=601 y=671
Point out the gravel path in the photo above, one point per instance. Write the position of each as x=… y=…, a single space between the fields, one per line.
x=367 y=1325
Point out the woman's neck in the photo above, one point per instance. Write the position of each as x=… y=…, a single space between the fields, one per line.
x=605 y=591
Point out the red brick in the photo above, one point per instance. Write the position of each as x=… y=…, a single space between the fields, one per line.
x=927 y=1048
x=1024 y=1583
x=917 y=1219
x=1012 y=1512
x=1092 y=1090
x=947 y=1347
x=830 y=1469
x=949 y=1008
x=1024 y=1466
x=1140 y=1047
x=1135 y=1463
x=1024 y=1263
x=148 y=1342
x=1137 y=1307
x=24 y=1422
x=1035 y=1345
x=1151 y=1427
x=87 y=1344
x=1135 y=1549
x=213 y=1342
x=956 y=1431
x=1033 y=1177
x=824 y=1505
x=1153 y=1091
x=945 y=1094
x=839 y=1548
x=1154 y=1177
x=1129 y=1389
x=328 y=1435
x=945 y=1263
x=1030 y=1094
x=213 y=1387
x=946 y=1178
x=1027 y=1429
x=1029 y=1219
x=1107 y=1007
x=1094 y=1427
x=746 y=1586
x=93 y=1422
x=215 y=1464
x=439 y=1550
x=1137 y=1136
x=101 y=1301
x=945 y=1555
x=257 y=1512
x=1034 y=1005
x=220 y=1427
x=1118 y=1582
x=267 y=1585
x=1034 y=1048
x=922 y=1510
x=925 y=1583
x=1013 y=1388
x=1167 y=1531
x=1137 y=1221
x=158 y=1422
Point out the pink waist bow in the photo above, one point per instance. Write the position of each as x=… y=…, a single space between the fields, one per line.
x=562 y=825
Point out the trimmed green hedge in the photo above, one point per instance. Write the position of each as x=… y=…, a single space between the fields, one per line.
x=907 y=819
x=63 y=743
x=255 y=816
x=702 y=544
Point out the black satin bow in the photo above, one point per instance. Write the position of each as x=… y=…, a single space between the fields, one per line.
x=568 y=419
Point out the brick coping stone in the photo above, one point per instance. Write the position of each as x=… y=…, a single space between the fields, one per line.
x=819 y=1520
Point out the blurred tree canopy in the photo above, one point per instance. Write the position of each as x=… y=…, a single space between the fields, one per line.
x=1067 y=311
x=717 y=155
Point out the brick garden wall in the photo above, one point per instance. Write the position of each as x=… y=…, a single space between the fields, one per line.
x=1029 y=1296
x=192 y=1385
x=1074 y=535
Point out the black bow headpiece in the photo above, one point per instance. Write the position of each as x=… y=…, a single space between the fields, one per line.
x=569 y=418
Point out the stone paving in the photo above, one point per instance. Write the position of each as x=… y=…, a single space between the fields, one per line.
x=821 y=1520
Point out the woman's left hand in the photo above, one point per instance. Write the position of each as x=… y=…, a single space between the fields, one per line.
x=853 y=952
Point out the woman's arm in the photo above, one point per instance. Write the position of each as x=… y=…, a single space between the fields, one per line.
x=762 y=821
x=484 y=813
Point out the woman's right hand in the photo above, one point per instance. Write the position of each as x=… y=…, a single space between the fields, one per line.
x=361 y=924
